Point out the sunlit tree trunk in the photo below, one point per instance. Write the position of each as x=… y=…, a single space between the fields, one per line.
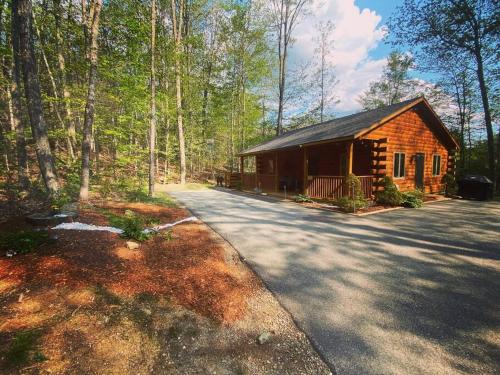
x=93 y=21
x=21 y=13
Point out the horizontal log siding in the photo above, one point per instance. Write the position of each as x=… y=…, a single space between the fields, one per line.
x=333 y=187
x=410 y=134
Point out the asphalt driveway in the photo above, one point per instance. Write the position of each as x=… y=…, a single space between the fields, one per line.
x=406 y=291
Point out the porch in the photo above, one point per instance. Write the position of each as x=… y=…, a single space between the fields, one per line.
x=316 y=170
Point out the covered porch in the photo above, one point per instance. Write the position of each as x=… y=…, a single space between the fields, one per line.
x=316 y=170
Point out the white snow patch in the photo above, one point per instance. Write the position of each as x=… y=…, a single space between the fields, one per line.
x=165 y=226
x=81 y=226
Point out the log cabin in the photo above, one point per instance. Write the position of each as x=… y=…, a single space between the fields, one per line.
x=406 y=141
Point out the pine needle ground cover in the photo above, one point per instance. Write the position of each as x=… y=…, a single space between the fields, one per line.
x=180 y=303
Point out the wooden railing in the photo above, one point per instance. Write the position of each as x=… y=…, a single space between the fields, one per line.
x=249 y=182
x=333 y=187
x=267 y=182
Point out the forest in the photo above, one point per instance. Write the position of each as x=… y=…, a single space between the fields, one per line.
x=122 y=95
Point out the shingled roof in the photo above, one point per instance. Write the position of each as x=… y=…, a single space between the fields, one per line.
x=340 y=128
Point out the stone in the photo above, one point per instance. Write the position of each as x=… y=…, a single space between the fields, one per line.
x=132 y=245
x=264 y=337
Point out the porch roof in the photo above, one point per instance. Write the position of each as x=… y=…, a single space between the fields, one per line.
x=348 y=127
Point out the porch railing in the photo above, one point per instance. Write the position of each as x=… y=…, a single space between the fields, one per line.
x=333 y=187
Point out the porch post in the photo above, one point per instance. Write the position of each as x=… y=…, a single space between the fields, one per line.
x=276 y=174
x=241 y=171
x=350 y=154
x=305 y=169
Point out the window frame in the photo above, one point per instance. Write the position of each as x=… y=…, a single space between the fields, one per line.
x=438 y=165
x=403 y=175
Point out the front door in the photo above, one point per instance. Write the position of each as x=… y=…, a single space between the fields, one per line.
x=419 y=170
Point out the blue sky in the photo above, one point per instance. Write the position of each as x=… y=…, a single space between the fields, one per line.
x=359 y=51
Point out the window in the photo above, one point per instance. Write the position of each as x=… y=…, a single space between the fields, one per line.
x=436 y=165
x=399 y=164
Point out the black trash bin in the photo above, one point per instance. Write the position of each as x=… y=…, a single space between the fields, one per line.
x=475 y=187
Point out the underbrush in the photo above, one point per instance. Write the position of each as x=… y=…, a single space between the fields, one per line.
x=412 y=199
x=132 y=224
x=23 y=348
x=24 y=241
x=302 y=198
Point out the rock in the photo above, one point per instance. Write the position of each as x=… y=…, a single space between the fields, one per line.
x=264 y=337
x=132 y=245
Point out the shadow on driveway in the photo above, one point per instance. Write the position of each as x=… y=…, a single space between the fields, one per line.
x=406 y=291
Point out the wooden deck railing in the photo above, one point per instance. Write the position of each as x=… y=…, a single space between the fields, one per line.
x=333 y=187
x=248 y=182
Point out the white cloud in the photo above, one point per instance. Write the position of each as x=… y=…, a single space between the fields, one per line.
x=357 y=31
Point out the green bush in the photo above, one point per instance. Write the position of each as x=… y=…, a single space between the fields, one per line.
x=355 y=200
x=303 y=198
x=450 y=184
x=132 y=225
x=25 y=241
x=390 y=196
x=413 y=199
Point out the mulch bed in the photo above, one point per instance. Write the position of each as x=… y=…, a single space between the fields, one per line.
x=189 y=268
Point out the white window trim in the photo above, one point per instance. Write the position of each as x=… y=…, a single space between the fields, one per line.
x=404 y=168
x=440 y=159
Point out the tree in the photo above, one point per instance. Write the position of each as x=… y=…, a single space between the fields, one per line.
x=152 y=126
x=325 y=75
x=91 y=25
x=177 y=31
x=466 y=28
x=285 y=15
x=22 y=21
x=394 y=85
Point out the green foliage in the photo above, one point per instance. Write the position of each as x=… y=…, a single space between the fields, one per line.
x=390 y=196
x=413 y=199
x=302 y=198
x=21 y=347
x=168 y=235
x=450 y=183
x=355 y=199
x=132 y=225
x=24 y=241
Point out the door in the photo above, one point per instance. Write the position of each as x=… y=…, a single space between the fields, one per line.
x=419 y=170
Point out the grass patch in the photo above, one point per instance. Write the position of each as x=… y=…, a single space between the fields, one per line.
x=143 y=197
x=132 y=224
x=21 y=349
x=24 y=241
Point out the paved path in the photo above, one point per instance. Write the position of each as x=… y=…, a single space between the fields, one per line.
x=406 y=291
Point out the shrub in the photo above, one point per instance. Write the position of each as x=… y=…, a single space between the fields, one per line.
x=355 y=199
x=450 y=184
x=25 y=241
x=303 y=198
x=413 y=199
x=390 y=196
x=132 y=225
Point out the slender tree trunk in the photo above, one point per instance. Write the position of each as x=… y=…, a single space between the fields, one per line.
x=95 y=10
x=62 y=69
x=54 y=90
x=178 y=84
x=152 y=124
x=18 y=123
x=21 y=13
x=487 y=117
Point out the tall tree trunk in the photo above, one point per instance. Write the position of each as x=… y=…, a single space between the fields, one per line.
x=152 y=124
x=177 y=29
x=54 y=91
x=18 y=123
x=487 y=116
x=21 y=13
x=95 y=10
x=70 y=124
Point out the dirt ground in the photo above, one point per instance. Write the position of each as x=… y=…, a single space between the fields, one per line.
x=182 y=303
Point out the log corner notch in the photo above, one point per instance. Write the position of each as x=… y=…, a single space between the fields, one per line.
x=378 y=161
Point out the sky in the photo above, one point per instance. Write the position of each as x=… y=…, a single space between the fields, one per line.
x=359 y=52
